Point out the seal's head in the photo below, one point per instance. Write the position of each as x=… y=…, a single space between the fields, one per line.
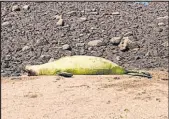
x=30 y=71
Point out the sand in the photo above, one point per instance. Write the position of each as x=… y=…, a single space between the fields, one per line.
x=86 y=97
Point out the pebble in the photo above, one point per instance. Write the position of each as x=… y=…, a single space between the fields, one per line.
x=165 y=44
x=90 y=48
x=165 y=17
x=60 y=22
x=118 y=58
x=115 y=40
x=45 y=56
x=124 y=44
x=71 y=13
x=51 y=60
x=161 y=24
x=15 y=8
x=116 y=13
x=82 y=19
x=57 y=17
x=25 y=48
x=159 y=29
x=2 y=71
x=66 y=47
x=128 y=34
x=80 y=44
x=26 y=7
x=16 y=74
x=6 y=23
x=95 y=43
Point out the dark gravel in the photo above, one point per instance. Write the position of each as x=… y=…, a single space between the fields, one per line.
x=32 y=34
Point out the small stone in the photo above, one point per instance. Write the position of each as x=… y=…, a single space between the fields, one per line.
x=2 y=71
x=60 y=22
x=118 y=58
x=82 y=52
x=124 y=44
x=25 y=48
x=116 y=13
x=8 y=24
x=66 y=47
x=93 y=28
x=159 y=29
x=45 y=57
x=16 y=78
x=26 y=7
x=90 y=48
x=108 y=102
x=62 y=35
x=128 y=34
x=51 y=60
x=82 y=19
x=116 y=78
x=71 y=13
x=80 y=44
x=115 y=40
x=161 y=24
x=165 y=17
x=165 y=44
x=15 y=8
x=57 y=17
x=16 y=74
x=95 y=43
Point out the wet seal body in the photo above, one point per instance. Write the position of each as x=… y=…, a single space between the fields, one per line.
x=81 y=65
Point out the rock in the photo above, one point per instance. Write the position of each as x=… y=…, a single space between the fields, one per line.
x=161 y=24
x=16 y=74
x=44 y=58
x=80 y=44
x=118 y=58
x=66 y=47
x=15 y=8
x=26 y=7
x=116 y=13
x=165 y=17
x=124 y=44
x=57 y=17
x=128 y=34
x=2 y=71
x=71 y=13
x=95 y=43
x=90 y=48
x=60 y=22
x=8 y=57
x=6 y=24
x=165 y=44
x=127 y=44
x=82 y=52
x=82 y=19
x=51 y=60
x=159 y=29
x=80 y=35
x=25 y=48
x=115 y=40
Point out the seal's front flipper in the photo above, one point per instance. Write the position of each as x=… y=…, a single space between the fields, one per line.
x=65 y=74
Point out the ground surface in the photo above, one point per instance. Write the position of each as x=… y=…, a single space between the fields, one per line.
x=86 y=97
x=33 y=37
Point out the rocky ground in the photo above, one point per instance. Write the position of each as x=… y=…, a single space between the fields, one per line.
x=129 y=34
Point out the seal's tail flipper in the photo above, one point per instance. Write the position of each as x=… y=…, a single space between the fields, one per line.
x=139 y=73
